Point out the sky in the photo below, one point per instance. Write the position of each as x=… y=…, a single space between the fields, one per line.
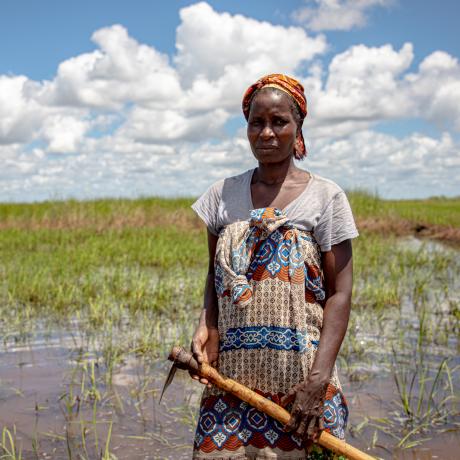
x=141 y=98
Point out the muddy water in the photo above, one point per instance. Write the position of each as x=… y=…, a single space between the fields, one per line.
x=36 y=389
x=37 y=381
x=372 y=400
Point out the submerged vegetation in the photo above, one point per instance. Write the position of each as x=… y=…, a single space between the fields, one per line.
x=97 y=292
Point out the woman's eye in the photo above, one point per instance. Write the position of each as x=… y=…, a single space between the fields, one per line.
x=280 y=122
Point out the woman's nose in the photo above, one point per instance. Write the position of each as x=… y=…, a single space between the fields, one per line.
x=267 y=132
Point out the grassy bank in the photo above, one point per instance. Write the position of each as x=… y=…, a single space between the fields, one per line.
x=436 y=217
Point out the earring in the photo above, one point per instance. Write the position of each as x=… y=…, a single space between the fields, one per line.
x=297 y=149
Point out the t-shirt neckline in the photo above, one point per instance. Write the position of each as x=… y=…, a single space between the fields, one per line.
x=292 y=202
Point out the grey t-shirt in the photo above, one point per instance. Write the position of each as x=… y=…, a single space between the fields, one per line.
x=322 y=208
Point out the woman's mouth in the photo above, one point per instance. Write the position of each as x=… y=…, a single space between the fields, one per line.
x=267 y=147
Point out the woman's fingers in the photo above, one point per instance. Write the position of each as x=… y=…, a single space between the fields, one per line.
x=319 y=429
x=288 y=397
x=304 y=426
x=307 y=414
x=306 y=423
x=300 y=431
x=200 y=379
x=197 y=350
x=199 y=353
x=292 y=423
x=312 y=428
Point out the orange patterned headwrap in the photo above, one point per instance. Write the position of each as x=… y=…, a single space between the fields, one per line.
x=290 y=86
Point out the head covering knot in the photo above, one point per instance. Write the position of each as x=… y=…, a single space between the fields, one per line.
x=290 y=86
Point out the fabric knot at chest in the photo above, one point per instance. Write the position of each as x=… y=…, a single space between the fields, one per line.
x=268 y=242
x=264 y=221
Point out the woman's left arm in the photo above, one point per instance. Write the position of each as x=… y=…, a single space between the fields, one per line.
x=307 y=411
x=338 y=277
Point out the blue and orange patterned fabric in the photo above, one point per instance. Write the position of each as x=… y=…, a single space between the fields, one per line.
x=270 y=248
x=228 y=424
x=271 y=295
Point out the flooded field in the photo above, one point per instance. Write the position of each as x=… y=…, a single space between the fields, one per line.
x=58 y=404
x=88 y=317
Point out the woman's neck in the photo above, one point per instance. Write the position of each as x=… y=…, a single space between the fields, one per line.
x=274 y=173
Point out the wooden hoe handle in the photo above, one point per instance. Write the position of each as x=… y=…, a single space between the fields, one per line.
x=185 y=360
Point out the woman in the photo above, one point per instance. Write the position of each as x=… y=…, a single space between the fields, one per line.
x=278 y=290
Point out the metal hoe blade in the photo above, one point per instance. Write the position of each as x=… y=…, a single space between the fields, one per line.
x=169 y=379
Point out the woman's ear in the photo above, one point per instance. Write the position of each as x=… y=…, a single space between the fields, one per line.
x=298 y=146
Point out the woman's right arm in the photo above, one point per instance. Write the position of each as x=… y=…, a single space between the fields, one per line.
x=205 y=341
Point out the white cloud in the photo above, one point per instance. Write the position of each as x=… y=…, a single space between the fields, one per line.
x=436 y=88
x=209 y=43
x=363 y=84
x=335 y=14
x=64 y=134
x=146 y=125
x=20 y=115
x=120 y=71
x=366 y=85
x=415 y=165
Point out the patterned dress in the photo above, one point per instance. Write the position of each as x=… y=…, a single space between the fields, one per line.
x=271 y=296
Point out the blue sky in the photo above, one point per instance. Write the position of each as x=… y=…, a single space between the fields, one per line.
x=37 y=36
x=84 y=113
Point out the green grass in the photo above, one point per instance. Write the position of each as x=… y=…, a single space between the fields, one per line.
x=433 y=211
x=158 y=211
x=68 y=268
x=137 y=266
x=99 y=214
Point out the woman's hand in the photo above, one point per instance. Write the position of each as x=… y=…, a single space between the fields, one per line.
x=307 y=409
x=205 y=348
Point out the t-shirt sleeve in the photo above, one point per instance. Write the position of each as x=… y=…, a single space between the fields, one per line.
x=336 y=223
x=207 y=206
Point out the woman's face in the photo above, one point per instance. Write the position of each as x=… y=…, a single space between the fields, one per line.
x=272 y=128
